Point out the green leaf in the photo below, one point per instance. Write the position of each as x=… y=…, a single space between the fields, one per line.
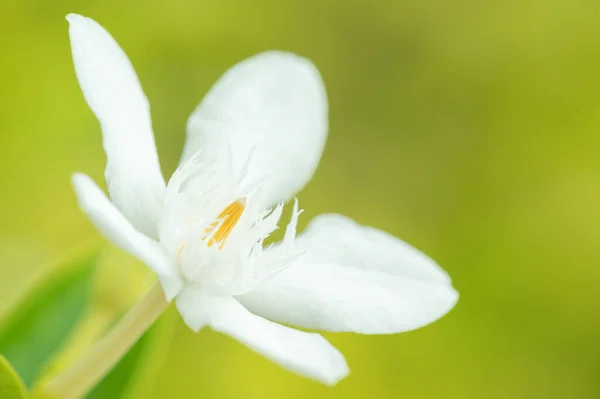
x=119 y=282
x=44 y=315
x=132 y=377
x=11 y=386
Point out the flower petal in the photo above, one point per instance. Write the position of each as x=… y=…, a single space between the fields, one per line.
x=272 y=109
x=113 y=92
x=355 y=278
x=338 y=238
x=307 y=354
x=117 y=229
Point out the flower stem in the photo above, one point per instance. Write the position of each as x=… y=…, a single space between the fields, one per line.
x=85 y=373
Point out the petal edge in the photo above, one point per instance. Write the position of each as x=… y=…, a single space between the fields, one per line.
x=114 y=94
x=272 y=108
x=307 y=354
x=117 y=229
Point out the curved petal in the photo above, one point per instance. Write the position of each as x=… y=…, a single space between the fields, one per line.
x=338 y=239
x=113 y=225
x=355 y=278
x=307 y=354
x=113 y=92
x=272 y=110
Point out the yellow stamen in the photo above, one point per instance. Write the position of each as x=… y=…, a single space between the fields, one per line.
x=227 y=219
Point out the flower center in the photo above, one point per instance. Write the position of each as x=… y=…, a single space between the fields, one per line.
x=219 y=230
x=225 y=223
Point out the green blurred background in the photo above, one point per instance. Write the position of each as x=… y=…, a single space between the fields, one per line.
x=470 y=129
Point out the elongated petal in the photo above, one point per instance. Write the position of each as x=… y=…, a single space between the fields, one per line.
x=307 y=354
x=272 y=111
x=113 y=92
x=117 y=229
x=339 y=239
x=355 y=278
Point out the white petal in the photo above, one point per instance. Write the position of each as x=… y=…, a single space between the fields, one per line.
x=117 y=229
x=355 y=278
x=307 y=354
x=272 y=109
x=339 y=239
x=113 y=92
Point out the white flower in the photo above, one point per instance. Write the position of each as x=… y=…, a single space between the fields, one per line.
x=253 y=142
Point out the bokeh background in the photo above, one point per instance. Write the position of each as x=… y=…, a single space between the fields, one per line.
x=470 y=129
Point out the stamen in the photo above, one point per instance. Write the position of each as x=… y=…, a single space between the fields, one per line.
x=225 y=222
x=180 y=251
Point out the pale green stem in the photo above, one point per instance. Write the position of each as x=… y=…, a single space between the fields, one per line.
x=85 y=373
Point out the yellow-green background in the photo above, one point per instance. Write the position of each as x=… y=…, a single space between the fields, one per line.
x=471 y=129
